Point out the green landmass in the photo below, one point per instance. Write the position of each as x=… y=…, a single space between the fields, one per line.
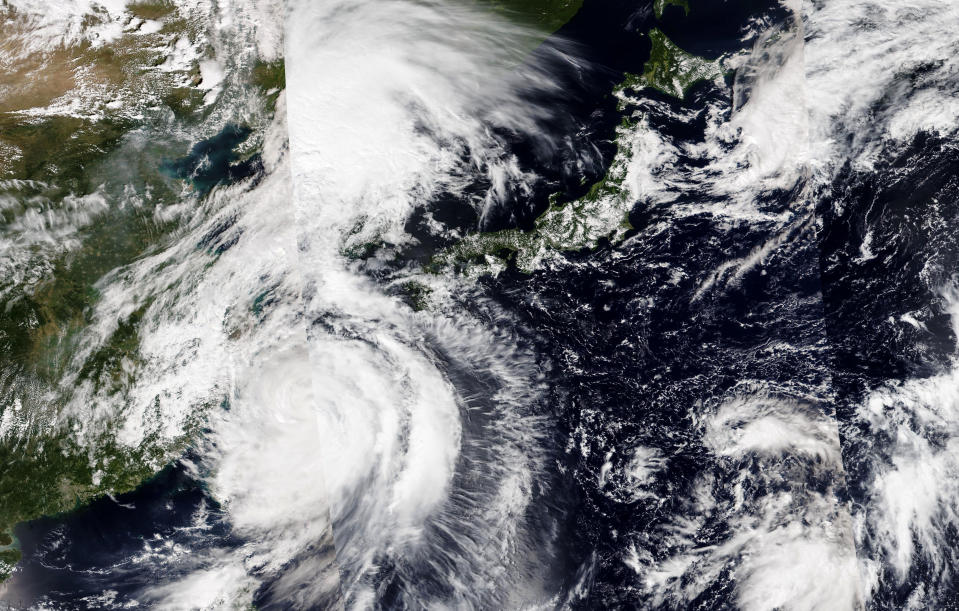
x=46 y=474
x=672 y=70
x=57 y=149
x=45 y=470
x=545 y=15
x=417 y=295
x=270 y=77
x=40 y=320
x=48 y=162
x=184 y=101
x=660 y=5
x=603 y=213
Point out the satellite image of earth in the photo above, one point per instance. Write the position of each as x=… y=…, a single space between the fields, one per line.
x=479 y=304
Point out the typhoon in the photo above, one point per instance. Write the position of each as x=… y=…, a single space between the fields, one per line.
x=479 y=304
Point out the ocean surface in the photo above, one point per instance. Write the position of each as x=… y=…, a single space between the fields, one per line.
x=749 y=401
